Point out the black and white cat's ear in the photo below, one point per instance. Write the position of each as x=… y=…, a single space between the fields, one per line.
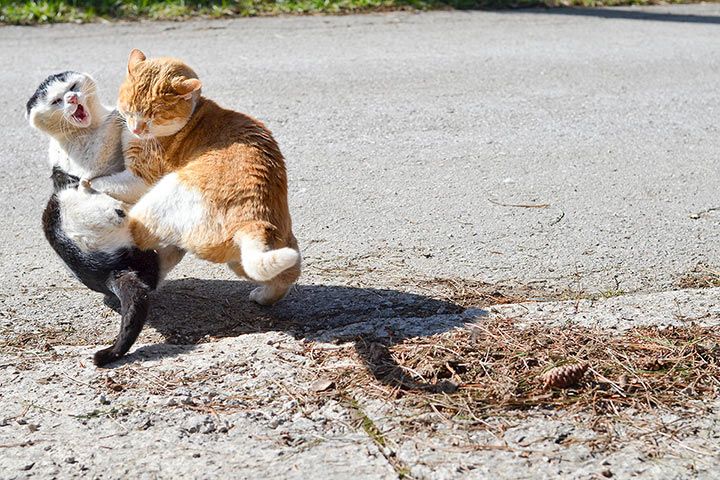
x=185 y=87
x=136 y=57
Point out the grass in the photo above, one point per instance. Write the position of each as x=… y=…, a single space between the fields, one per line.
x=375 y=434
x=26 y=12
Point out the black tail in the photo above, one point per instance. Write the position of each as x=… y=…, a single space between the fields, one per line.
x=134 y=304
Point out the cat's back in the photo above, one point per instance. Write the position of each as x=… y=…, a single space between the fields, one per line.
x=221 y=130
x=234 y=159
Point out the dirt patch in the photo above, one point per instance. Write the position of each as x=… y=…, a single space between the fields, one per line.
x=499 y=366
x=702 y=276
x=476 y=293
x=28 y=348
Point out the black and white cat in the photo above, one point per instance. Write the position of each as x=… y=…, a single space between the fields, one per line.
x=87 y=229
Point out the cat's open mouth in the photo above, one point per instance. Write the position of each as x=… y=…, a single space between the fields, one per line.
x=80 y=116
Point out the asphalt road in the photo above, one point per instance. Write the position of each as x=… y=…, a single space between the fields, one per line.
x=557 y=149
x=400 y=131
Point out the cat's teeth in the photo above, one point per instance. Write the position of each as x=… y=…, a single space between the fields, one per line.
x=80 y=113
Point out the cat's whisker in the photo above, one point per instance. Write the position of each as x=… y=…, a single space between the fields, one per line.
x=88 y=231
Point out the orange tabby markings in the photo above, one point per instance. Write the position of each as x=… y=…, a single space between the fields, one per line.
x=219 y=180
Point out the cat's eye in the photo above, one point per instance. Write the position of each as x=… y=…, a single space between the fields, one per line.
x=74 y=87
x=57 y=101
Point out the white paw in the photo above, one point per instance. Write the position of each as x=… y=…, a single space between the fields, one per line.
x=262 y=295
x=86 y=185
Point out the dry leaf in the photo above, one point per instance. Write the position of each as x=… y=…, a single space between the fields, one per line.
x=321 y=384
x=113 y=385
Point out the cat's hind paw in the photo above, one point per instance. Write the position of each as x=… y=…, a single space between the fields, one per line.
x=267 y=295
x=261 y=296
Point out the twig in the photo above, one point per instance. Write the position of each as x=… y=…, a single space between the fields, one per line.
x=697 y=215
x=520 y=205
x=557 y=220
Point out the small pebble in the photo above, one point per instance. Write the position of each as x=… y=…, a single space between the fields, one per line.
x=321 y=384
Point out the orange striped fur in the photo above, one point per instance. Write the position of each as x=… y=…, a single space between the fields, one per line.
x=219 y=184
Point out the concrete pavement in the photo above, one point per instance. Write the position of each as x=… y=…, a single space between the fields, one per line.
x=538 y=150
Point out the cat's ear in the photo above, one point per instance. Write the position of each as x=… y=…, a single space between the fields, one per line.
x=136 y=57
x=186 y=86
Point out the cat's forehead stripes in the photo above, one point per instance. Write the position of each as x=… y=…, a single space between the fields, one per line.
x=51 y=86
x=156 y=83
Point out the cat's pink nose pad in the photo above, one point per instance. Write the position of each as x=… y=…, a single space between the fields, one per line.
x=73 y=99
x=139 y=128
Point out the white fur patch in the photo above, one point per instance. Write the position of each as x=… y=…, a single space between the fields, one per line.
x=93 y=222
x=261 y=264
x=171 y=210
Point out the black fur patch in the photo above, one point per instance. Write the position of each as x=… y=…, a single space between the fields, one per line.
x=94 y=269
x=62 y=180
x=42 y=89
x=134 y=305
x=125 y=276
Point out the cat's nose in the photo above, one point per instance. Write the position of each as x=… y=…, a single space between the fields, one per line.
x=73 y=99
x=139 y=128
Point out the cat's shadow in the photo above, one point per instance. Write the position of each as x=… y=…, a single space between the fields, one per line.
x=189 y=311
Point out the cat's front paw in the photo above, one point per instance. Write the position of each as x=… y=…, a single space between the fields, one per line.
x=86 y=185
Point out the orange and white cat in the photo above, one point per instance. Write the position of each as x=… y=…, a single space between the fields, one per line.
x=217 y=180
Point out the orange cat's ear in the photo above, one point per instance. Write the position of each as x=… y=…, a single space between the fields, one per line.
x=136 y=57
x=186 y=86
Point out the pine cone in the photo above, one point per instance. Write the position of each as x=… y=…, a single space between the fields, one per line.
x=565 y=376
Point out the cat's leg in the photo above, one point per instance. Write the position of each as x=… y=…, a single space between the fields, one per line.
x=275 y=290
x=169 y=257
x=124 y=186
x=269 y=293
x=134 y=305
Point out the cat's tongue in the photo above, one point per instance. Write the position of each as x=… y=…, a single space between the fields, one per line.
x=80 y=114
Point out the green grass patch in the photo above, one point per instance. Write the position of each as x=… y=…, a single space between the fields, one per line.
x=25 y=12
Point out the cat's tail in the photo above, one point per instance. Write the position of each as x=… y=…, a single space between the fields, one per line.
x=261 y=263
x=134 y=304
